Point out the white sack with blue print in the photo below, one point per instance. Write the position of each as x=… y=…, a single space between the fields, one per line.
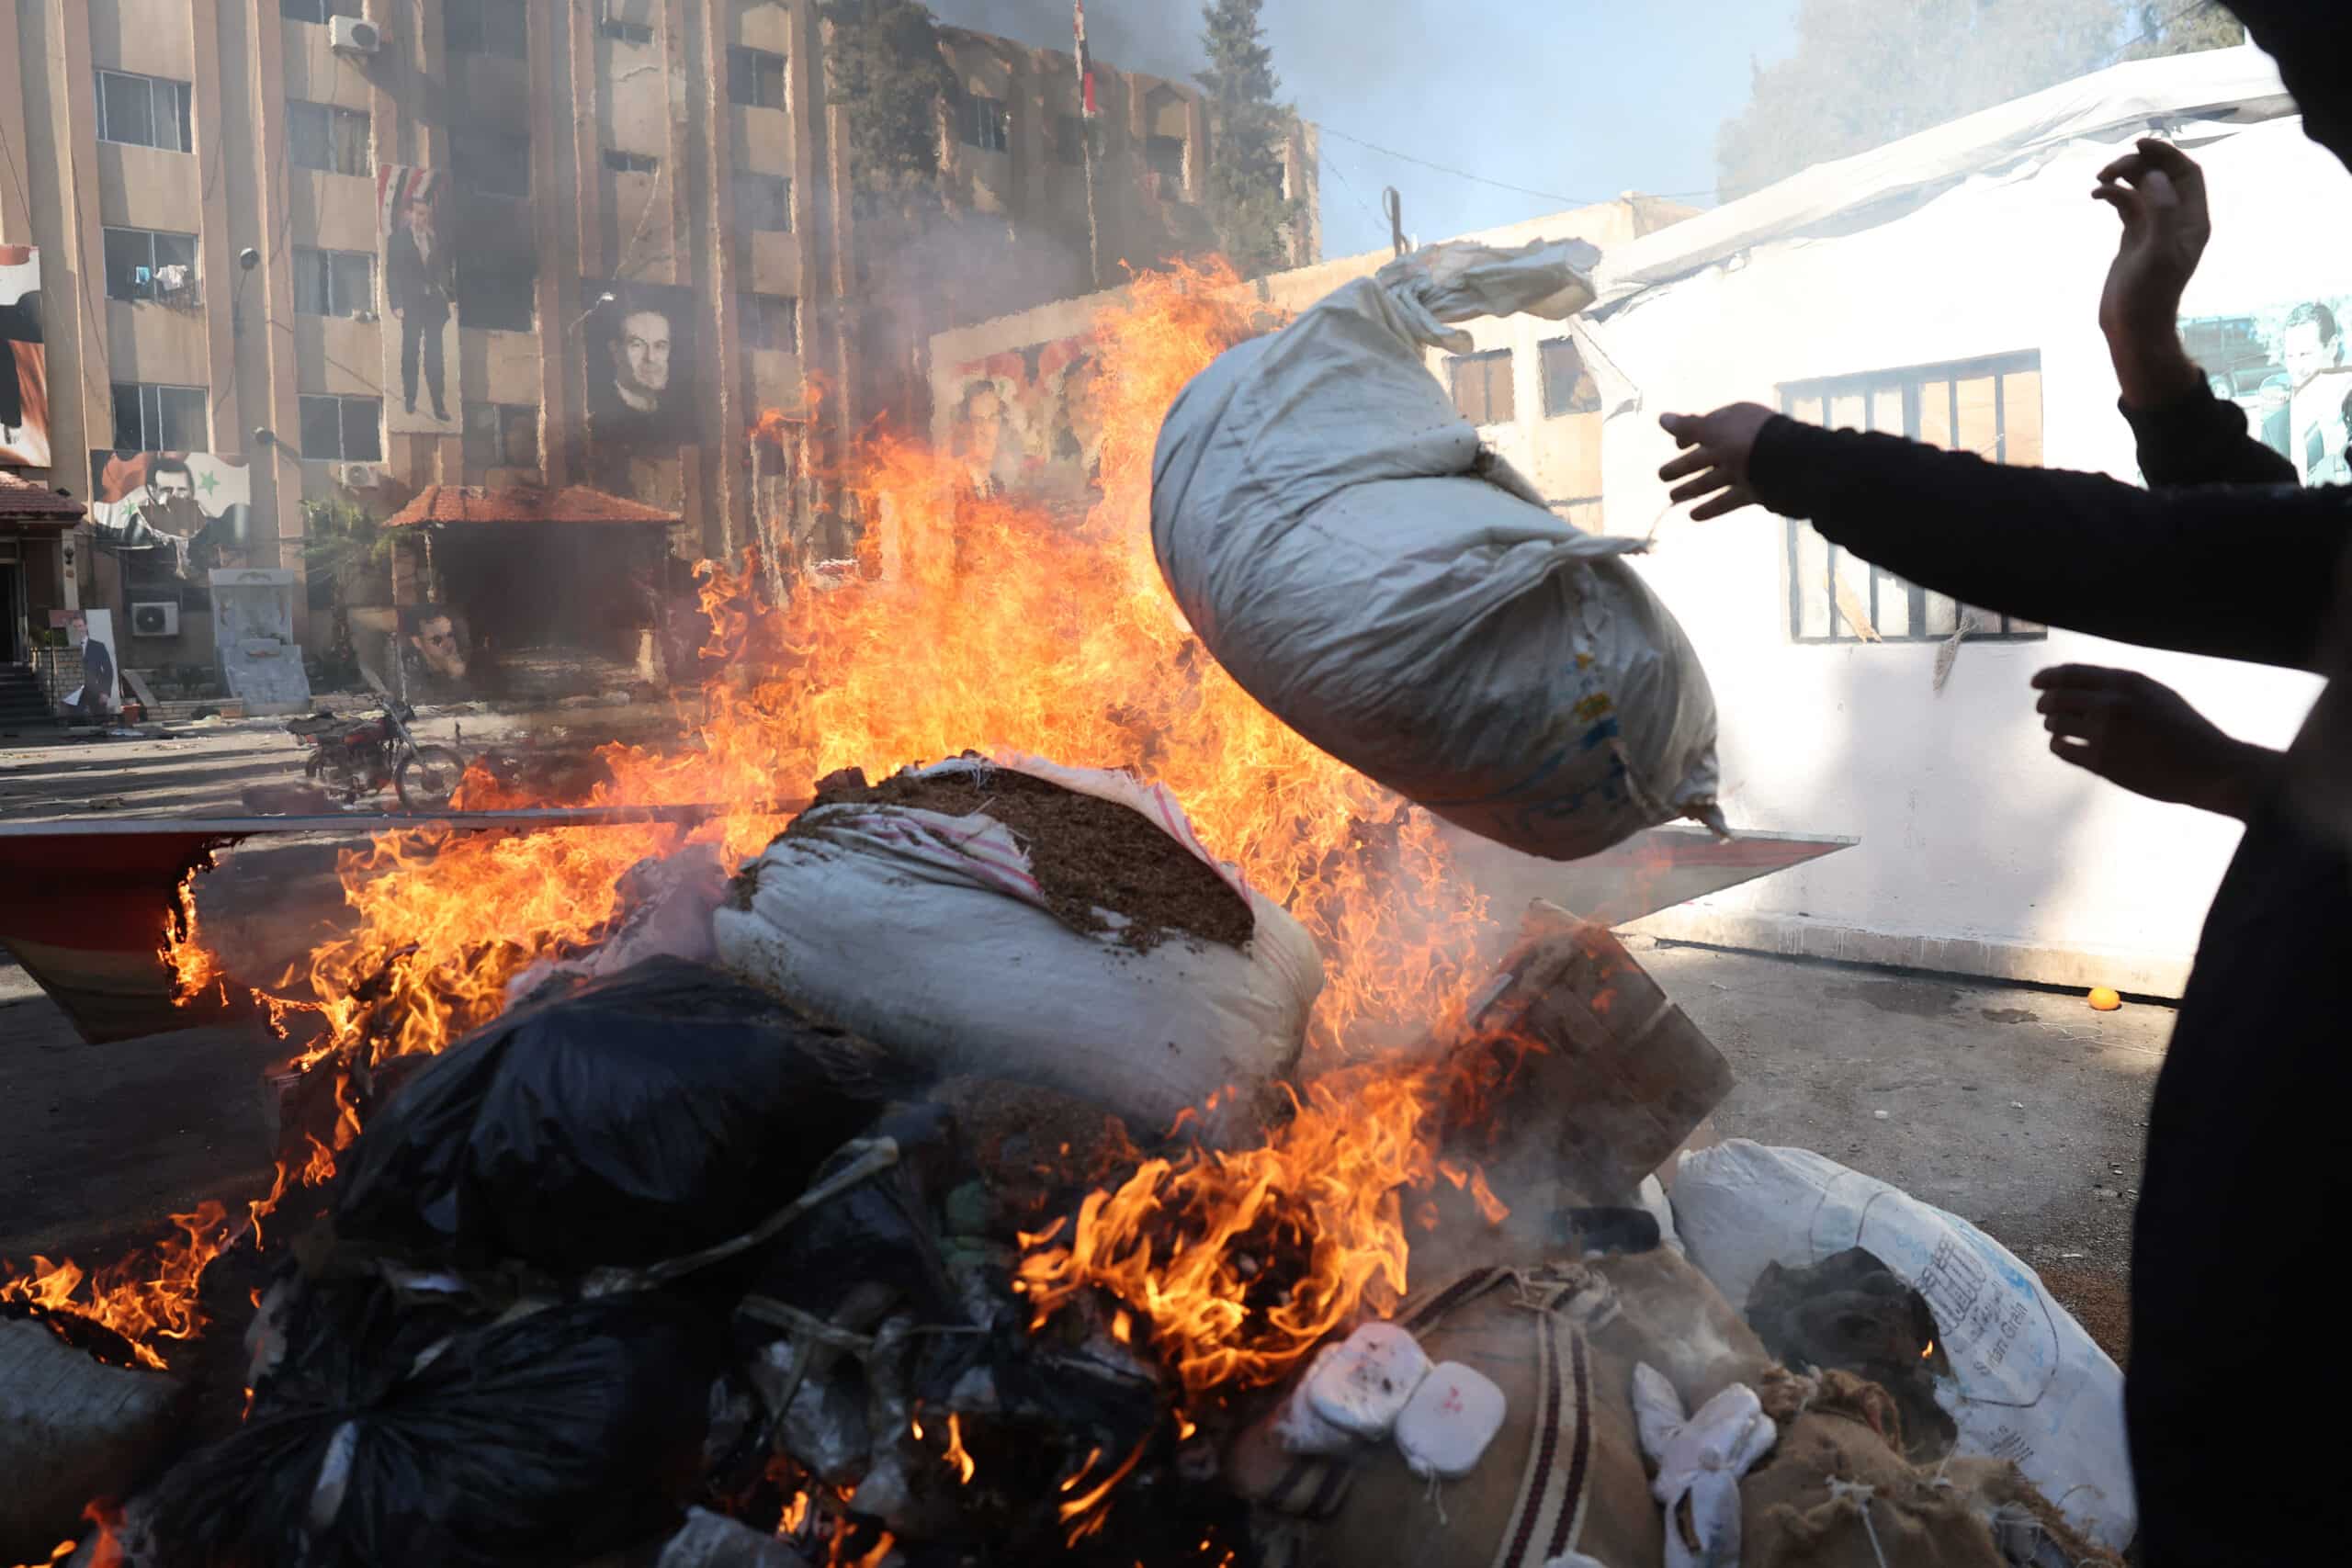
x=1400 y=596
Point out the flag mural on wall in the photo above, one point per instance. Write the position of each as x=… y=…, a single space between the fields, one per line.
x=172 y=517
x=24 y=361
x=420 y=285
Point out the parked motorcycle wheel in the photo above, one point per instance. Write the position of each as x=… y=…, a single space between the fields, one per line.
x=429 y=777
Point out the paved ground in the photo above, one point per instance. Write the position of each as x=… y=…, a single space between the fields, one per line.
x=2020 y=1109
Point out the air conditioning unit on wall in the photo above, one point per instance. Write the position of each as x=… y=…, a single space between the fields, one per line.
x=352 y=35
x=359 y=475
x=158 y=618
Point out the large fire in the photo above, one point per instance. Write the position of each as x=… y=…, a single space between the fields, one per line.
x=999 y=625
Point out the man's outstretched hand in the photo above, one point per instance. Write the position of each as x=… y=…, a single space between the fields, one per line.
x=2159 y=192
x=2139 y=734
x=1716 y=450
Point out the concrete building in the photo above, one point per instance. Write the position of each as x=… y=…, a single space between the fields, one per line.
x=639 y=231
x=1943 y=287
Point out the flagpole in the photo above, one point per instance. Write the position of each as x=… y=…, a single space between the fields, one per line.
x=1086 y=141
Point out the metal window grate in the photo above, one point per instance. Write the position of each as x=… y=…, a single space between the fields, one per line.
x=1991 y=406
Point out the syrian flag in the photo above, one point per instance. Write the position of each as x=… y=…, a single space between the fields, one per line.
x=1085 y=66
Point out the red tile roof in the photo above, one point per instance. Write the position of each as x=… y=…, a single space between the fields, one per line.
x=519 y=503
x=21 y=500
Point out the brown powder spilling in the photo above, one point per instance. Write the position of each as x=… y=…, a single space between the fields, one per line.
x=1088 y=854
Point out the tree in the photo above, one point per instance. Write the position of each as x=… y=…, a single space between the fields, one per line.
x=883 y=65
x=1246 y=203
x=2208 y=25
x=1866 y=74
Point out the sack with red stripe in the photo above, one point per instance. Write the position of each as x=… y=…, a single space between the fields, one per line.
x=1023 y=920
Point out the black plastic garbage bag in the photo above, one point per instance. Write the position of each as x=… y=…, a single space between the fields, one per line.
x=883 y=1231
x=548 y=1439
x=670 y=1109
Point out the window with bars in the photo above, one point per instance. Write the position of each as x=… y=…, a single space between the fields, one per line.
x=150 y=417
x=318 y=10
x=986 y=124
x=487 y=27
x=622 y=162
x=1482 y=387
x=755 y=78
x=343 y=430
x=1569 y=386
x=501 y=435
x=1991 y=407
x=772 y=321
x=763 y=203
x=146 y=111
x=333 y=283
x=623 y=31
x=320 y=136
x=136 y=260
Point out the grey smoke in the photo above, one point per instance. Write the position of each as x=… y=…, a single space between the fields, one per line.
x=1160 y=38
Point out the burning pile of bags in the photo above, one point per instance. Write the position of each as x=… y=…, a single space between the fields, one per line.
x=680 y=1266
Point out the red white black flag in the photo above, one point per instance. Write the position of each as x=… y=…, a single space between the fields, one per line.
x=1085 y=65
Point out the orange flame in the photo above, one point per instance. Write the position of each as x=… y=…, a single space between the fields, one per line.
x=195 y=969
x=993 y=624
x=141 y=1302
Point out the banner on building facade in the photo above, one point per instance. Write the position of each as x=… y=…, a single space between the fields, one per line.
x=172 y=517
x=2285 y=364
x=24 y=361
x=1029 y=421
x=640 y=367
x=419 y=288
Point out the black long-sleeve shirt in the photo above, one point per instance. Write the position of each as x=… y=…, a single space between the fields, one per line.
x=2246 y=1182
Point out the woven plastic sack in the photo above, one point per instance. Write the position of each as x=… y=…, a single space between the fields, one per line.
x=2028 y=1383
x=928 y=934
x=1333 y=530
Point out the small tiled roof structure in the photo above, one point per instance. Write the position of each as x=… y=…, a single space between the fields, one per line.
x=24 y=503
x=521 y=503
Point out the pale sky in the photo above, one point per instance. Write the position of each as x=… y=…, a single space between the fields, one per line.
x=1580 y=98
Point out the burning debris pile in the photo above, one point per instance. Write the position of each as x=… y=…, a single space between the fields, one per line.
x=1006 y=1162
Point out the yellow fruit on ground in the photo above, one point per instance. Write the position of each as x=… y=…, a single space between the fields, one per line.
x=2104 y=999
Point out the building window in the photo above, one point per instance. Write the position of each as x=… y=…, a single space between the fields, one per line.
x=1990 y=407
x=1164 y=156
x=1569 y=387
x=772 y=322
x=333 y=283
x=500 y=298
x=986 y=124
x=150 y=418
x=1482 y=387
x=1069 y=138
x=489 y=164
x=318 y=10
x=755 y=78
x=487 y=27
x=144 y=263
x=144 y=111
x=320 y=136
x=763 y=203
x=501 y=435
x=343 y=430
x=620 y=32
x=622 y=162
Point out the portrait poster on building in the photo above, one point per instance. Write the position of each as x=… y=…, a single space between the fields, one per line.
x=641 y=376
x=2280 y=365
x=100 y=696
x=420 y=314
x=24 y=362
x=1029 y=421
x=172 y=517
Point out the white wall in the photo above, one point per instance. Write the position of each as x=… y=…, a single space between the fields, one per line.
x=1979 y=851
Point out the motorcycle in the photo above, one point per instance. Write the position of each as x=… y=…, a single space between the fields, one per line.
x=358 y=756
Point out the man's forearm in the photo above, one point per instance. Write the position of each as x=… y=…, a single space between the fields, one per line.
x=2243 y=781
x=2152 y=365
